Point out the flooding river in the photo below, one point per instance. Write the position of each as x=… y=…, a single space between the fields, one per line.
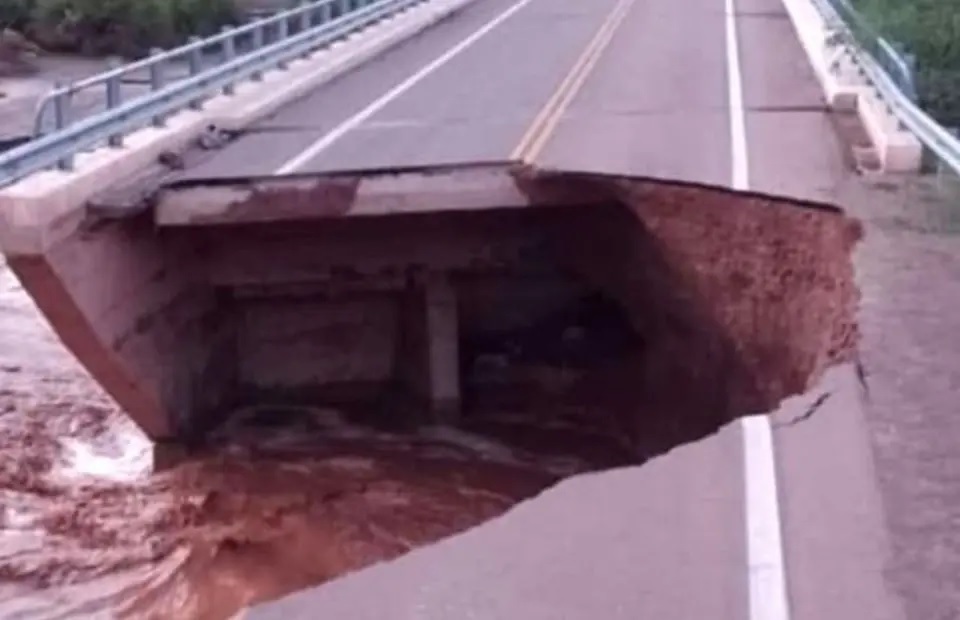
x=283 y=498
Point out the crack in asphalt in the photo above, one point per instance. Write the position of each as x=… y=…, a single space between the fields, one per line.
x=763 y=14
x=468 y=120
x=787 y=108
x=806 y=415
x=862 y=377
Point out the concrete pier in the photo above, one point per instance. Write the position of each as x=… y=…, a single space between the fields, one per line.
x=429 y=358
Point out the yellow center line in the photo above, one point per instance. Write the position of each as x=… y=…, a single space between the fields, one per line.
x=545 y=122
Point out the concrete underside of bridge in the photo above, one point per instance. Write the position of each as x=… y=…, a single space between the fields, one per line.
x=657 y=310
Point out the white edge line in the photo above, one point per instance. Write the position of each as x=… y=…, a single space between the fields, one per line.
x=766 y=575
x=354 y=121
x=738 y=128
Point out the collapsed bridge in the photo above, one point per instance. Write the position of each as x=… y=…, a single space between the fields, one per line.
x=644 y=306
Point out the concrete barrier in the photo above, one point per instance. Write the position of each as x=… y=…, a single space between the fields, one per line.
x=846 y=88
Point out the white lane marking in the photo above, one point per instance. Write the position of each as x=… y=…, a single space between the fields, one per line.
x=354 y=121
x=738 y=128
x=766 y=576
x=767 y=581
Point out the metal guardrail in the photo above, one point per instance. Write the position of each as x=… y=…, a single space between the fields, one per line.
x=241 y=53
x=190 y=58
x=892 y=74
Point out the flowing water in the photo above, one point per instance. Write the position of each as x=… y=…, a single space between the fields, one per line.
x=281 y=499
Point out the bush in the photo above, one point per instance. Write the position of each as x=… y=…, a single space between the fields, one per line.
x=14 y=13
x=930 y=29
x=126 y=27
x=202 y=17
x=940 y=95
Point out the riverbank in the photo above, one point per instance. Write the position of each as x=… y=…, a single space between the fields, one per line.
x=19 y=95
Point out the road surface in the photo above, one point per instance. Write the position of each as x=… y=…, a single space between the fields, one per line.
x=648 y=101
x=703 y=91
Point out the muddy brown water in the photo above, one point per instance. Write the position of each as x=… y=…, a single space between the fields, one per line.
x=283 y=498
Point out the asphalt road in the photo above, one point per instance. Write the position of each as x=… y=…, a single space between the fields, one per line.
x=477 y=106
x=657 y=93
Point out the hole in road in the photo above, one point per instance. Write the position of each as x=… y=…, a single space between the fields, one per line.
x=394 y=381
x=586 y=338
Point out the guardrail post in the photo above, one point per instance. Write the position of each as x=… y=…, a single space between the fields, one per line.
x=306 y=23
x=326 y=12
x=283 y=31
x=61 y=118
x=256 y=43
x=157 y=81
x=306 y=16
x=910 y=62
x=195 y=62
x=114 y=99
x=60 y=111
x=229 y=53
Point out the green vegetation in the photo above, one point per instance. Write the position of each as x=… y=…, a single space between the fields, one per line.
x=930 y=29
x=127 y=27
x=14 y=13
